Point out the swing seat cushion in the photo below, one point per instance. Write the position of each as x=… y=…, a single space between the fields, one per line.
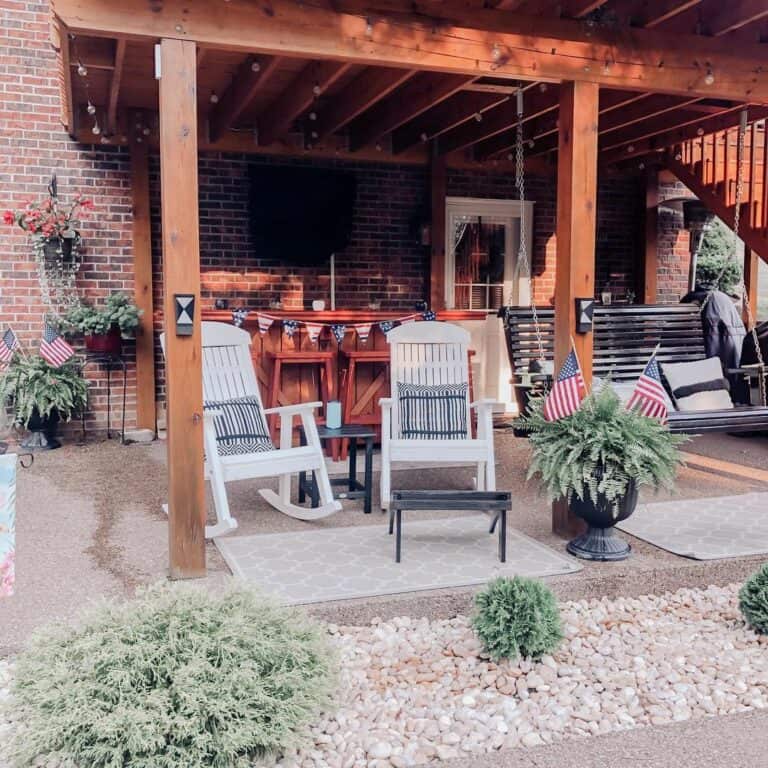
x=698 y=385
x=240 y=426
x=432 y=411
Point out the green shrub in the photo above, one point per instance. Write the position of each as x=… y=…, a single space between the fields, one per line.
x=753 y=600
x=713 y=258
x=176 y=678
x=517 y=617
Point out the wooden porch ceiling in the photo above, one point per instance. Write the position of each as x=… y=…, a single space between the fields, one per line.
x=281 y=101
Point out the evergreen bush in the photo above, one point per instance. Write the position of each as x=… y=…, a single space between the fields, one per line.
x=176 y=678
x=753 y=600
x=713 y=258
x=517 y=617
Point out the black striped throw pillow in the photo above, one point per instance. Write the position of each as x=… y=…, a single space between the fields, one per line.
x=432 y=411
x=240 y=426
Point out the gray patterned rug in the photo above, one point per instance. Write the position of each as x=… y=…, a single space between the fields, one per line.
x=704 y=529
x=341 y=563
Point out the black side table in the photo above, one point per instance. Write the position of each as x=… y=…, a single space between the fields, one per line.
x=354 y=489
x=108 y=361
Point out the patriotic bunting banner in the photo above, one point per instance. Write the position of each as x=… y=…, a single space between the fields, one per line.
x=429 y=315
x=238 y=316
x=386 y=326
x=265 y=323
x=363 y=331
x=338 y=330
x=289 y=327
x=313 y=331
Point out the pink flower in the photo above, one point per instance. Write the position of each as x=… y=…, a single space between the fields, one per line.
x=9 y=218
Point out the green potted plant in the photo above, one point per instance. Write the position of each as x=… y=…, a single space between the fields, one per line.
x=39 y=396
x=596 y=459
x=103 y=327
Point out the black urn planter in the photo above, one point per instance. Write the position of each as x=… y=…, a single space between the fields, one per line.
x=42 y=432
x=52 y=247
x=601 y=542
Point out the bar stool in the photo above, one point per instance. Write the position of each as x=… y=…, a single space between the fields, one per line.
x=355 y=404
x=322 y=359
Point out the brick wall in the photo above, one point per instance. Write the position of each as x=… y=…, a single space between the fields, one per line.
x=674 y=255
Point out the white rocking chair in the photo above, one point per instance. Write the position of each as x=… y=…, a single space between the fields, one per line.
x=228 y=373
x=429 y=353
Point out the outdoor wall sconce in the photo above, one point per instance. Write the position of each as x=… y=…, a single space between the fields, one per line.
x=585 y=310
x=185 y=313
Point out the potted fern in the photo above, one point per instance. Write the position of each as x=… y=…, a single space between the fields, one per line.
x=103 y=327
x=597 y=458
x=40 y=396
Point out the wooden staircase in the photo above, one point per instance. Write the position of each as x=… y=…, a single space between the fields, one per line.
x=707 y=165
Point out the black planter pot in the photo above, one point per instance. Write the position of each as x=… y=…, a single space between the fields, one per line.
x=601 y=542
x=51 y=249
x=42 y=433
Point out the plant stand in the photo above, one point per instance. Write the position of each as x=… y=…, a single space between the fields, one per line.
x=600 y=544
x=109 y=361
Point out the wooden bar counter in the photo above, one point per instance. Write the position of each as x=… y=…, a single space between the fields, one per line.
x=301 y=383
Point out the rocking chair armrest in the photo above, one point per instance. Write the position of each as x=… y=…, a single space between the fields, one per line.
x=292 y=410
x=748 y=371
x=210 y=413
x=386 y=402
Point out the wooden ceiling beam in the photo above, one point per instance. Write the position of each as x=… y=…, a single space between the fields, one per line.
x=735 y=15
x=576 y=9
x=61 y=44
x=419 y=94
x=239 y=96
x=454 y=111
x=498 y=120
x=308 y=85
x=653 y=106
x=368 y=88
x=94 y=53
x=530 y=47
x=114 y=87
x=636 y=132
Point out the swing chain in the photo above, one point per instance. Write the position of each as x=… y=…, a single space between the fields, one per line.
x=523 y=259
x=739 y=194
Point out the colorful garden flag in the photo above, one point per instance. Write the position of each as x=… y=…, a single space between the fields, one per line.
x=648 y=397
x=338 y=330
x=313 y=331
x=8 y=345
x=363 y=331
x=53 y=349
x=567 y=392
x=265 y=323
x=7 y=523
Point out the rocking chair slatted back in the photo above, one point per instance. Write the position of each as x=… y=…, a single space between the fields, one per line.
x=427 y=353
x=227 y=367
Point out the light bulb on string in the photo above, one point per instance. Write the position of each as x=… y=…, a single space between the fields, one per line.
x=214 y=97
x=543 y=87
x=424 y=137
x=139 y=139
x=510 y=156
x=368 y=28
x=699 y=131
x=104 y=140
x=478 y=117
x=709 y=78
x=631 y=148
x=96 y=130
x=379 y=147
x=82 y=70
x=314 y=134
x=496 y=53
x=90 y=109
x=531 y=143
x=316 y=89
x=255 y=66
x=313 y=116
x=146 y=131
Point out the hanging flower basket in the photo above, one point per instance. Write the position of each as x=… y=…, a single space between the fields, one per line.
x=60 y=251
x=108 y=343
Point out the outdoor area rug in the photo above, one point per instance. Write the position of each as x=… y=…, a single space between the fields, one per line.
x=704 y=529
x=359 y=561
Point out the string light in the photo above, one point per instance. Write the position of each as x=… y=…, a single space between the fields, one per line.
x=90 y=109
x=631 y=148
x=531 y=143
x=314 y=134
x=699 y=131
x=543 y=87
x=496 y=52
x=104 y=140
x=316 y=89
x=146 y=131
x=96 y=130
x=424 y=137
x=510 y=156
x=82 y=70
x=368 y=28
x=478 y=117
x=214 y=97
x=255 y=66
x=313 y=116
x=709 y=78
x=378 y=147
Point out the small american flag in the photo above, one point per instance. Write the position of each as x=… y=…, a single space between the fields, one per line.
x=567 y=392
x=648 y=397
x=53 y=349
x=8 y=345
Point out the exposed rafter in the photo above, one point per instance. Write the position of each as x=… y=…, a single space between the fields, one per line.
x=655 y=12
x=445 y=116
x=369 y=87
x=114 y=86
x=737 y=14
x=419 y=94
x=249 y=79
x=308 y=85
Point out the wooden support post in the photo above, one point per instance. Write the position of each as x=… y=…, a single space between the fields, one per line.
x=648 y=277
x=751 y=267
x=438 y=181
x=181 y=275
x=142 y=282
x=576 y=226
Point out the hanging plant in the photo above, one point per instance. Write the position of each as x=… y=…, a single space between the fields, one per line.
x=54 y=229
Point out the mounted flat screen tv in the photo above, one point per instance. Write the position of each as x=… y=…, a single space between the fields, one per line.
x=300 y=216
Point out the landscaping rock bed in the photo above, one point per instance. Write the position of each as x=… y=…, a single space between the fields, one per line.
x=415 y=691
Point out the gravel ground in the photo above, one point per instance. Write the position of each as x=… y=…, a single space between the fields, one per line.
x=415 y=691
